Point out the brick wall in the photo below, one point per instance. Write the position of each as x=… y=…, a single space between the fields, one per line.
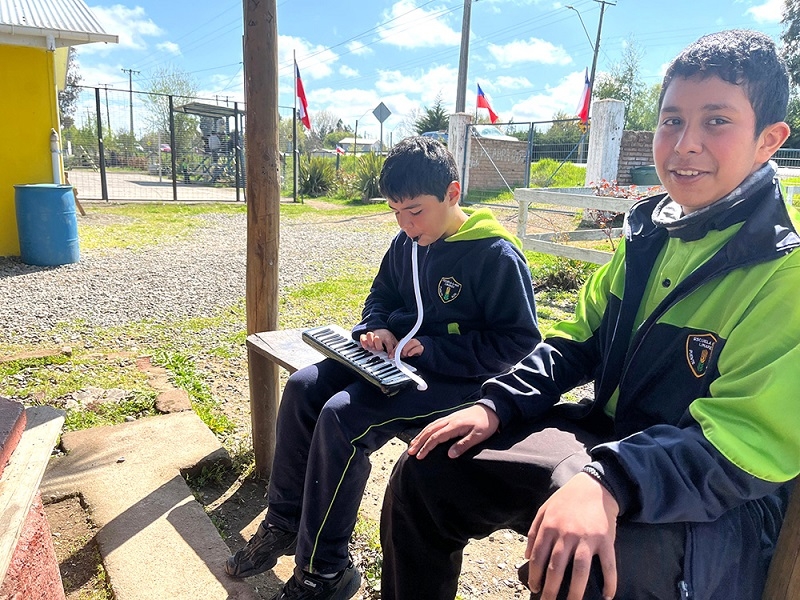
x=508 y=157
x=636 y=151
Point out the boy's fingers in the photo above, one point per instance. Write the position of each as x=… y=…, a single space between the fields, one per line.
x=609 y=567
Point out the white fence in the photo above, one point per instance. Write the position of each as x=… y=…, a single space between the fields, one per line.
x=557 y=243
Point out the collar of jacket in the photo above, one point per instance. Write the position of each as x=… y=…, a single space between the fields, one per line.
x=767 y=231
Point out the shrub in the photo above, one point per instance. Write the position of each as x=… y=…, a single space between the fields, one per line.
x=368 y=173
x=558 y=273
x=317 y=177
x=346 y=186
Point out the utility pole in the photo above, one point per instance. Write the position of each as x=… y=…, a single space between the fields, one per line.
x=130 y=73
x=463 y=59
x=597 y=46
x=263 y=216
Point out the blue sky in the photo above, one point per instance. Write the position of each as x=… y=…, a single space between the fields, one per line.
x=529 y=56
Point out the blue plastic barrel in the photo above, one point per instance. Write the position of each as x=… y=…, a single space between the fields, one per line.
x=46 y=223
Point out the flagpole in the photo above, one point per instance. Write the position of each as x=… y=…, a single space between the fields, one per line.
x=294 y=131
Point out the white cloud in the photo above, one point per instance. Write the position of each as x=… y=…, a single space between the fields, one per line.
x=512 y=83
x=412 y=27
x=438 y=81
x=563 y=97
x=532 y=50
x=770 y=11
x=346 y=71
x=132 y=25
x=169 y=47
x=359 y=48
x=315 y=61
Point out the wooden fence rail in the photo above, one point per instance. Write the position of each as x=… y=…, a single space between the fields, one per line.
x=556 y=242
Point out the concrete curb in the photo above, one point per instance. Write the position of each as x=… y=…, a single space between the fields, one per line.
x=155 y=539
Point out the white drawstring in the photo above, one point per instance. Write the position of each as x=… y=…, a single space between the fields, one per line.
x=421 y=385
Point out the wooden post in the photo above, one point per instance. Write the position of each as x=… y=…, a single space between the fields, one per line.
x=783 y=582
x=263 y=215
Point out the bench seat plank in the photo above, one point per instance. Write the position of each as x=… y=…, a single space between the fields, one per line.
x=284 y=347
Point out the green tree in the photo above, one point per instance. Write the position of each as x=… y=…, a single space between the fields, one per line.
x=324 y=123
x=434 y=118
x=623 y=81
x=68 y=97
x=791 y=38
x=165 y=82
x=643 y=112
x=793 y=119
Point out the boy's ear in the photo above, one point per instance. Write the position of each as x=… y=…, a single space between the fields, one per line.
x=453 y=192
x=770 y=139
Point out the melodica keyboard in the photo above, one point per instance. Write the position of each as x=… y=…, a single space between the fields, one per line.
x=376 y=367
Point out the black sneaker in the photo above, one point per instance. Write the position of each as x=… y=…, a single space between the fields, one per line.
x=262 y=551
x=305 y=586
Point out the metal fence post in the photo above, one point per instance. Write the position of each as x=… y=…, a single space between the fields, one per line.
x=173 y=149
x=100 y=147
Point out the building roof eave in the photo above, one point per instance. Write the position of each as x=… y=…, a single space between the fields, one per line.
x=37 y=37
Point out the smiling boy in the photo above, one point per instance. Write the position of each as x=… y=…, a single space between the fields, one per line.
x=477 y=319
x=672 y=482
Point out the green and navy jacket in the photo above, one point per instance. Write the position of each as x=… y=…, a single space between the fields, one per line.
x=692 y=339
x=479 y=316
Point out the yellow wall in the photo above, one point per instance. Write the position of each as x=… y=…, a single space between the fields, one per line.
x=29 y=107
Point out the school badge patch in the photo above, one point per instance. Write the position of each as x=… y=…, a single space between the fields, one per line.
x=699 y=349
x=449 y=289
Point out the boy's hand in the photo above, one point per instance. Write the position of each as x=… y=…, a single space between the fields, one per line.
x=576 y=523
x=379 y=340
x=474 y=424
x=413 y=347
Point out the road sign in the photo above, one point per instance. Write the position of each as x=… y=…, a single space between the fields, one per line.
x=381 y=112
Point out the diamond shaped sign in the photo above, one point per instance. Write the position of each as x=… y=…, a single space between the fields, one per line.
x=381 y=112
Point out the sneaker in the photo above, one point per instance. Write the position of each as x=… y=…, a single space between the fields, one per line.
x=305 y=586
x=262 y=551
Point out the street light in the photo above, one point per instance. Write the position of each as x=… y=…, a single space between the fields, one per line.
x=596 y=46
x=582 y=24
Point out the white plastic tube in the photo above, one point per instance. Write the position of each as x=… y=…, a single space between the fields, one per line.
x=421 y=385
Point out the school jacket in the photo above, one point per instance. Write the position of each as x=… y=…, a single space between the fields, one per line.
x=479 y=316
x=693 y=342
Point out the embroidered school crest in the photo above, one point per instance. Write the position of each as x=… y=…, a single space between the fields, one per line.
x=449 y=289
x=699 y=349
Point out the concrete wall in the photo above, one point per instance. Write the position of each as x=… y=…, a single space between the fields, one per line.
x=636 y=151
x=30 y=108
x=507 y=155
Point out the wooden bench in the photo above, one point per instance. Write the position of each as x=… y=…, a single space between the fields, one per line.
x=287 y=349
x=783 y=581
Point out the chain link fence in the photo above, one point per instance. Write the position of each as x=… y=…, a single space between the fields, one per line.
x=501 y=156
x=145 y=146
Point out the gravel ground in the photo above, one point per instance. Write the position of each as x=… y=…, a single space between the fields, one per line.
x=162 y=283
x=200 y=277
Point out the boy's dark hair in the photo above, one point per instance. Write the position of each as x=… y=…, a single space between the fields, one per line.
x=741 y=57
x=417 y=166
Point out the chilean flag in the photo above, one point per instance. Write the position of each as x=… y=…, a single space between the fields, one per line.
x=301 y=94
x=583 y=105
x=484 y=103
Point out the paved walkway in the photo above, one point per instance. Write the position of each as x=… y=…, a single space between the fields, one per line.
x=141 y=186
x=155 y=539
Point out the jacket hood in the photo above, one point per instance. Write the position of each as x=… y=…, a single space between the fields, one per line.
x=480 y=225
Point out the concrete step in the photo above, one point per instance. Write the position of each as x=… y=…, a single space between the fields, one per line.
x=155 y=539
